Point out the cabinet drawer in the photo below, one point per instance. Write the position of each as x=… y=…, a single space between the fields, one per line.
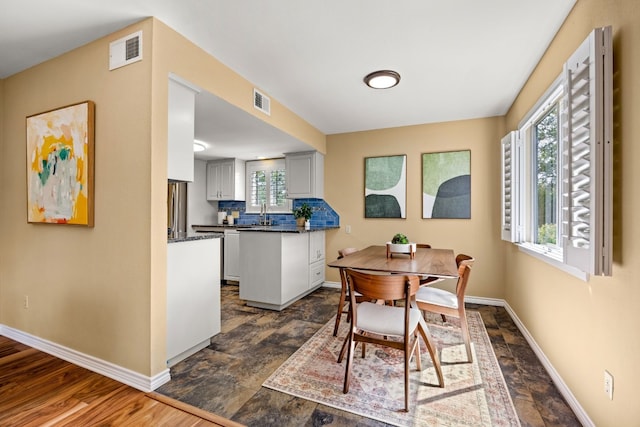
x=316 y=274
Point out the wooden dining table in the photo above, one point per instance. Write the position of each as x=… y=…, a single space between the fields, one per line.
x=426 y=262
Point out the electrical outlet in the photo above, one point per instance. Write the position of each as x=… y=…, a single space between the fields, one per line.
x=25 y=301
x=608 y=384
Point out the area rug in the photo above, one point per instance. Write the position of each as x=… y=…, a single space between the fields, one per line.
x=475 y=393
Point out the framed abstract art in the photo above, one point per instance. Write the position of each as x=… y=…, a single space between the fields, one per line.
x=446 y=184
x=60 y=165
x=385 y=187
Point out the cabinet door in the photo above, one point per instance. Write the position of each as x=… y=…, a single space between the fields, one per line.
x=227 y=180
x=231 y=255
x=181 y=129
x=213 y=180
x=299 y=176
x=316 y=246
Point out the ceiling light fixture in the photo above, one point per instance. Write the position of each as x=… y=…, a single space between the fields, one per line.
x=198 y=146
x=383 y=79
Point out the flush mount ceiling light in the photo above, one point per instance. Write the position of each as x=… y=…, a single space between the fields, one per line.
x=383 y=79
x=198 y=146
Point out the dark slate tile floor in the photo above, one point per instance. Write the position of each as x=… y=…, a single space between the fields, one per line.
x=226 y=377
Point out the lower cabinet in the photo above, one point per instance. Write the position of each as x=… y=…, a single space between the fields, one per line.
x=275 y=268
x=193 y=297
x=231 y=255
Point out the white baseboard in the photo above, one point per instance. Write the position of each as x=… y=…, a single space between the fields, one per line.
x=336 y=285
x=555 y=376
x=108 y=369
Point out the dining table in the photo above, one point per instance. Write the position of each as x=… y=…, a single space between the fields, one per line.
x=432 y=262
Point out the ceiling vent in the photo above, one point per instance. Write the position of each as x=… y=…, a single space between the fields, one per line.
x=125 y=51
x=261 y=102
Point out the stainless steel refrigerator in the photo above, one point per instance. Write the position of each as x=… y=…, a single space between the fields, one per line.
x=176 y=208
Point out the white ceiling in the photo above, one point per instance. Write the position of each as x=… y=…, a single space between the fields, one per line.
x=458 y=59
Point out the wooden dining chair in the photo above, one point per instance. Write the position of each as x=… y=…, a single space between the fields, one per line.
x=447 y=303
x=343 y=290
x=376 y=323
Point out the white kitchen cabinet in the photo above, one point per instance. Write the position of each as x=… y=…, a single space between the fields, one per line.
x=274 y=267
x=305 y=175
x=231 y=255
x=181 y=128
x=225 y=179
x=193 y=296
x=316 y=258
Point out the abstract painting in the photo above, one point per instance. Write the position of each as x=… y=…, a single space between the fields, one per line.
x=385 y=187
x=446 y=184
x=60 y=165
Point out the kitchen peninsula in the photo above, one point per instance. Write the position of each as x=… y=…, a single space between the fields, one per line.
x=280 y=264
x=193 y=293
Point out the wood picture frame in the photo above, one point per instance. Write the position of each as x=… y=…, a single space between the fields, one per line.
x=60 y=163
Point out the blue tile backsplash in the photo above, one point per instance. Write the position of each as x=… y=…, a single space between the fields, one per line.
x=323 y=214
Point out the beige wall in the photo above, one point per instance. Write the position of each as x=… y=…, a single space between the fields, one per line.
x=585 y=328
x=102 y=290
x=88 y=288
x=344 y=191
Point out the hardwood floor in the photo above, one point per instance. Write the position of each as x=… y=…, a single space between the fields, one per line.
x=37 y=389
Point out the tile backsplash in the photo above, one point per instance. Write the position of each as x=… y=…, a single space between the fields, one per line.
x=323 y=214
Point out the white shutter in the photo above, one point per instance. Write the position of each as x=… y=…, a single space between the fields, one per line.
x=587 y=155
x=510 y=189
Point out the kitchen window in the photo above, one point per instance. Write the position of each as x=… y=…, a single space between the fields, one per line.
x=266 y=184
x=557 y=167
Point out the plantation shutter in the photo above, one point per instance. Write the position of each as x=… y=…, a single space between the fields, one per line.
x=587 y=155
x=509 y=187
x=258 y=191
x=266 y=183
x=277 y=188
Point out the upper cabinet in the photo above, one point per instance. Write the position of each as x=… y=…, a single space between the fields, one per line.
x=305 y=175
x=225 y=179
x=181 y=130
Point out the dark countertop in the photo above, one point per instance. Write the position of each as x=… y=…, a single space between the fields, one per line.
x=192 y=235
x=287 y=228
x=269 y=228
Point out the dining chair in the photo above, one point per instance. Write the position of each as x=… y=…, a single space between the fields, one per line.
x=398 y=327
x=343 y=290
x=447 y=303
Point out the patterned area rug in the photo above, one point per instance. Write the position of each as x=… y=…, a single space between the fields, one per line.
x=475 y=393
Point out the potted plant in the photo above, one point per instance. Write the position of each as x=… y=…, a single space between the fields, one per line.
x=302 y=214
x=400 y=244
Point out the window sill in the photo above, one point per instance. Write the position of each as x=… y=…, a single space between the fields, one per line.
x=552 y=259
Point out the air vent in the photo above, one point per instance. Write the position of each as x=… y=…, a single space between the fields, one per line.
x=261 y=102
x=125 y=51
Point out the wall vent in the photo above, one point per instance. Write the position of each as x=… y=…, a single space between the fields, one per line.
x=125 y=51
x=261 y=102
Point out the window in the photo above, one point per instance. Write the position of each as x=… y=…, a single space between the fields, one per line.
x=266 y=184
x=557 y=167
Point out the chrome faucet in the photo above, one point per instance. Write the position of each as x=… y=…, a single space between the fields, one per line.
x=264 y=220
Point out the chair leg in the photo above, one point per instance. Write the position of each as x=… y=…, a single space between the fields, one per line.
x=407 y=357
x=347 y=371
x=340 y=311
x=344 y=347
x=416 y=351
x=426 y=336
x=465 y=334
